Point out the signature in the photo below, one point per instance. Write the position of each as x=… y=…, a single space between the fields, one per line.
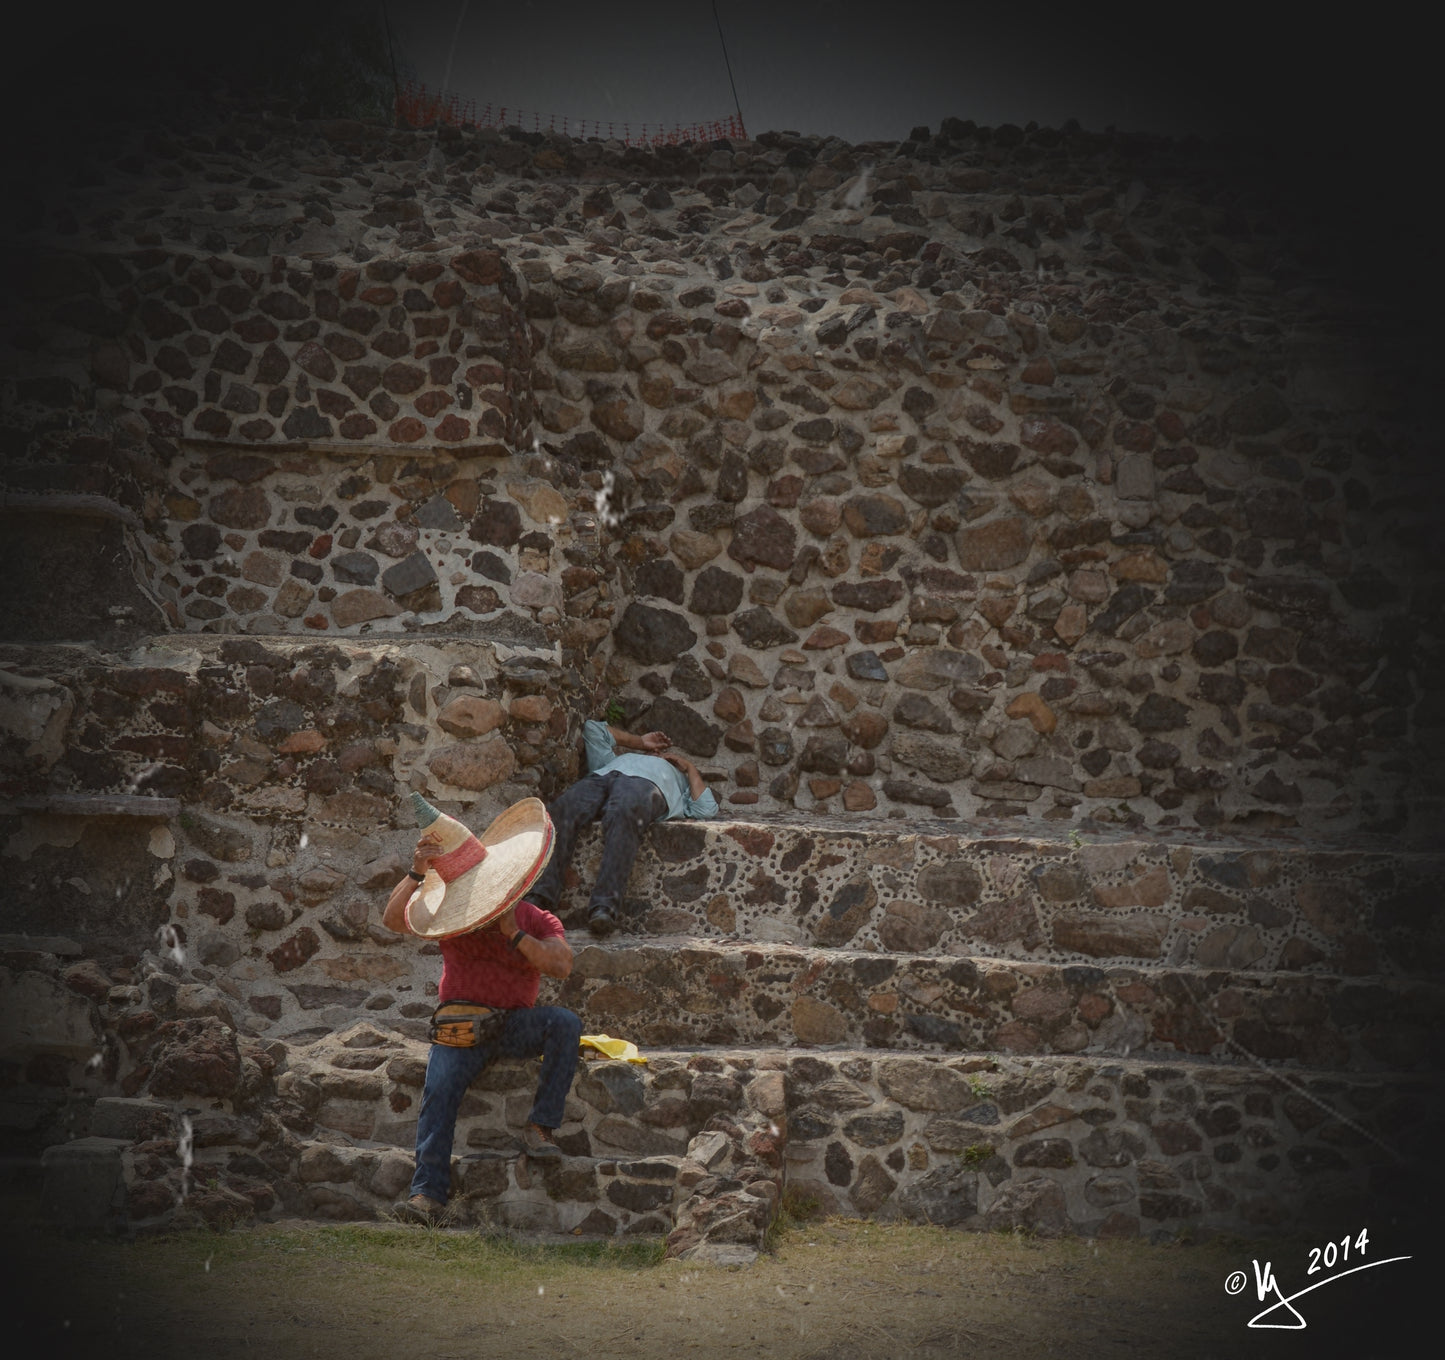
x=1321 y=1258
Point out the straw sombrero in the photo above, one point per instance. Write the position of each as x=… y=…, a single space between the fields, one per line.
x=476 y=878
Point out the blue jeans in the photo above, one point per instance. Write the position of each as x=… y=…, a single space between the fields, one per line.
x=627 y=805
x=549 y=1030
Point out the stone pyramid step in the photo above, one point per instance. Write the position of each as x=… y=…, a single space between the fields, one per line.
x=1031 y=891
x=685 y=991
x=1166 y=605
x=700 y=1146
x=649 y=1147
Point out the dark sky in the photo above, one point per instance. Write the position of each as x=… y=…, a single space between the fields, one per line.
x=875 y=70
x=858 y=70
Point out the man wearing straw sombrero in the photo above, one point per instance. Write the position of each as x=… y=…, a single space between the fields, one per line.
x=466 y=892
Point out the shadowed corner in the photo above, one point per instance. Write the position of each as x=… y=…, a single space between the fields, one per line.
x=44 y=1311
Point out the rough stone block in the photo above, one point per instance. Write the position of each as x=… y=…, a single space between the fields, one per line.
x=84 y=1184
x=39 y=1014
x=129 y=1118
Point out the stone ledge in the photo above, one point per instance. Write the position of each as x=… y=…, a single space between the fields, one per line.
x=1033 y=892
x=61 y=946
x=1014 y=833
x=338 y=448
x=669 y=1146
x=680 y=991
x=82 y=505
x=1062 y=1144
x=95 y=805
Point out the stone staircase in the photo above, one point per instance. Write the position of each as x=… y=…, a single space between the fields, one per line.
x=933 y=937
x=997 y=1026
x=336 y=1144
x=1075 y=507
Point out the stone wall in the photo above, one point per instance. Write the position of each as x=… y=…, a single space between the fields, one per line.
x=1025 y=474
x=281 y=766
x=1020 y=528
x=213 y=1126
x=428 y=351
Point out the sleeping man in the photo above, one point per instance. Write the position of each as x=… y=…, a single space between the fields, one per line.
x=631 y=783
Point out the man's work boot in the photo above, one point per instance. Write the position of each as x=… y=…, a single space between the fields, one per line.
x=600 y=921
x=421 y=1209
x=537 y=1143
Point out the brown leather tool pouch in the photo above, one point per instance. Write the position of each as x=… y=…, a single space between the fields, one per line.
x=466 y=1024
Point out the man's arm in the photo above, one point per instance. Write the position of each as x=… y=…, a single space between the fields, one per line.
x=428 y=847
x=552 y=956
x=394 y=917
x=650 y=743
x=696 y=784
x=702 y=802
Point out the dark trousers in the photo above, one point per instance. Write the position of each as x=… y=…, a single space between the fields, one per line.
x=627 y=805
x=549 y=1030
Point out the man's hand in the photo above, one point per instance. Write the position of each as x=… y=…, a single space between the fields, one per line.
x=654 y=743
x=428 y=848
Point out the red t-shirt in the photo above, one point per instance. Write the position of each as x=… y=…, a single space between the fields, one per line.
x=481 y=967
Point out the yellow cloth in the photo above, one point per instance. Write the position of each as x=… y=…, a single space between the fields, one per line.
x=612 y=1048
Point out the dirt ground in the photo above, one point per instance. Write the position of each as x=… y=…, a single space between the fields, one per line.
x=828 y=1290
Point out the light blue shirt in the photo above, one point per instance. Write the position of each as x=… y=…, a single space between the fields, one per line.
x=602 y=758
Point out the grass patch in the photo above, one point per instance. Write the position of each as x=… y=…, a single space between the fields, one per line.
x=831 y=1287
x=480 y=1255
x=794 y=1211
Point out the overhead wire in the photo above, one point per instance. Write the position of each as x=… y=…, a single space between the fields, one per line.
x=452 y=50
x=728 y=63
x=391 y=57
